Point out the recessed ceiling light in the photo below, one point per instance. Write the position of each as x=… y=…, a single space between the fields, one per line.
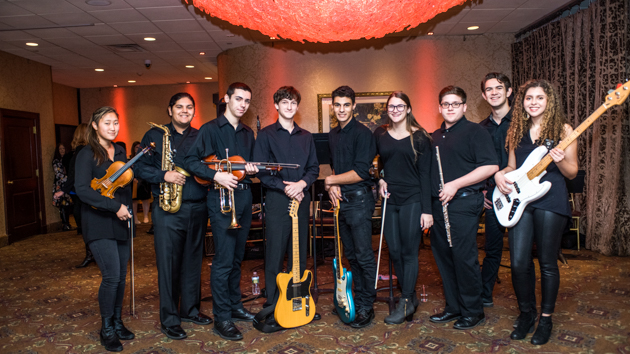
x=131 y=81
x=202 y=53
x=149 y=39
x=430 y=33
x=99 y=69
x=32 y=44
x=187 y=82
x=208 y=78
x=472 y=28
x=98 y=2
x=115 y=85
x=272 y=37
x=190 y=66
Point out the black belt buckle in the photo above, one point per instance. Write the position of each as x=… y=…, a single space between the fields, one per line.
x=242 y=186
x=349 y=196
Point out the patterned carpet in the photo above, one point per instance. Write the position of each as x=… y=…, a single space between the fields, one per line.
x=48 y=306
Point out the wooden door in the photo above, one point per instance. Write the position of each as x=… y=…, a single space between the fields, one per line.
x=21 y=167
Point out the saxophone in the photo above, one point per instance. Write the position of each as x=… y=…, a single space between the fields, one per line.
x=170 y=193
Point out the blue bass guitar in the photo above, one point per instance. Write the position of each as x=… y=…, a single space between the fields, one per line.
x=344 y=303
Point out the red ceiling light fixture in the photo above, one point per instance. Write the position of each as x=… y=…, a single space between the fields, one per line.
x=326 y=20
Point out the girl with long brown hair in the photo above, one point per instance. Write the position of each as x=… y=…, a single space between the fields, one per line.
x=538 y=120
x=105 y=223
x=405 y=150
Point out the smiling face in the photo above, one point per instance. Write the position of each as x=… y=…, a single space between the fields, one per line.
x=182 y=112
x=451 y=114
x=535 y=101
x=495 y=93
x=238 y=103
x=397 y=110
x=107 y=128
x=343 y=109
x=287 y=108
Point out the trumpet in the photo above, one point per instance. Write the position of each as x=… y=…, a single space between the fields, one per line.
x=226 y=197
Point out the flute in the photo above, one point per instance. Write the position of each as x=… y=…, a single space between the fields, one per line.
x=447 y=224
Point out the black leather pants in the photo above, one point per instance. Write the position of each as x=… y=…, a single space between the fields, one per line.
x=545 y=228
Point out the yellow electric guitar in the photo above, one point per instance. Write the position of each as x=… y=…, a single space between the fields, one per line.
x=295 y=306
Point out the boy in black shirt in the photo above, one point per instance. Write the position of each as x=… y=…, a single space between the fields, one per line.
x=468 y=159
x=352 y=147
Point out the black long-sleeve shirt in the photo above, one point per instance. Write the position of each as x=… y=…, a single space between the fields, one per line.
x=213 y=138
x=149 y=166
x=69 y=185
x=408 y=175
x=352 y=149
x=498 y=132
x=276 y=144
x=101 y=221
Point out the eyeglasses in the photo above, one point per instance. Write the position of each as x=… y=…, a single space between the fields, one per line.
x=399 y=108
x=455 y=105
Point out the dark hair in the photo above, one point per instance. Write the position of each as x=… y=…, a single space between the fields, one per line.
x=500 y=77
x=409 y=118
x=176 y=97
x=288 y=92
x=452 y=90
x=99 y=151
x=237 y=86
x=133 y=148
x=57 y=155
x=343 y=91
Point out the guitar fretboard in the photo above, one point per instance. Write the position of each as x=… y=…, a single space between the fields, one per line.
x=337 y=241
x=296 y=243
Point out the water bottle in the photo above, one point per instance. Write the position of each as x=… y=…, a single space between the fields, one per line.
x=255 y=286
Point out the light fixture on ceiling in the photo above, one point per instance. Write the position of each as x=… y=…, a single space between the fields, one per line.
x=98 y=2
x=187 y=82
x=131 y=81
x=189 y=66
x=99 y=69
x=208 y=78
x=430 y=34
x=307 y=23
x=149 y=39
x=272 y=37
x=32 y=44
x=115 y=85
x=472 y=28
x=202 y=53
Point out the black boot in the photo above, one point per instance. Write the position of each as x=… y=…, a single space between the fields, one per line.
x=89 y=258
x=526 y=322
x=543 y=332
x=65 y=222
x=404 y=310
x=122 y=332
x=109 y=339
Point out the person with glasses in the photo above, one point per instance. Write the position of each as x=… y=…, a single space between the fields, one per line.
x=467 y=159
x=352 y=150
x=405 y=151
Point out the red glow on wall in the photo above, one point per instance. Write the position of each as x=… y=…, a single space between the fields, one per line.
x=194 y=91
x=426 y=84
x=119 y=102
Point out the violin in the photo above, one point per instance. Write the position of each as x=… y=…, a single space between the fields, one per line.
x=117 y=176
x=238 y=166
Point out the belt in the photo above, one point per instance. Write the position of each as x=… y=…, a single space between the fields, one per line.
x=240 y=186
x=349 y=196
x=466 y=194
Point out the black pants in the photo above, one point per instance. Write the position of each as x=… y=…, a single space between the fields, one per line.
x=403 y=234
x=279 y=230
x=459 y=265
x=494 y=251
x=546 y=228
x=76 y=211
x=112 y=257
x=229 y=245
x=355 y=231
x=178 y=252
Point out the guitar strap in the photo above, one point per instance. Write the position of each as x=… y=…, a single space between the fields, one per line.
x=261 y=325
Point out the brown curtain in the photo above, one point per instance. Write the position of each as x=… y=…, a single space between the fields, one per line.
x=585 y=55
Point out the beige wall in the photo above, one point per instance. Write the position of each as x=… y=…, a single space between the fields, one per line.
x=65 y=107
x=138 y=105
x=421 y=67
x=26 y=85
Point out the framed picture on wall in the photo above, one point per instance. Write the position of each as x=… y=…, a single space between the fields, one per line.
x=370 y=111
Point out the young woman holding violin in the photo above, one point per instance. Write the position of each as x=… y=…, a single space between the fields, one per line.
x=538 y=118
x=105 y=222
x=405 y=151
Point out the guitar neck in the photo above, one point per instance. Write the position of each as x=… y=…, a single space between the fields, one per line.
x=542 y=165
x=337 y=242
x=296 y=250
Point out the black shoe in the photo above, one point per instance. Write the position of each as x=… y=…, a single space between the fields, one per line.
x=404 y=311
x=317 y=317
x=334 y=311
x=89 y=258
x=174 y=332
x=543 y=332
x=242 y=315
x=79 y=231
x=150 y=231
x=469 y=322
x=108 y=336
x=526 y=322
x=121 y=331
x=363 y=319
x=199 y=319
x=487 y=302
x=227 y=330
x=444 y=317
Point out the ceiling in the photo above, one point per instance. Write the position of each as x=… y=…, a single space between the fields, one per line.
x=75 y=38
